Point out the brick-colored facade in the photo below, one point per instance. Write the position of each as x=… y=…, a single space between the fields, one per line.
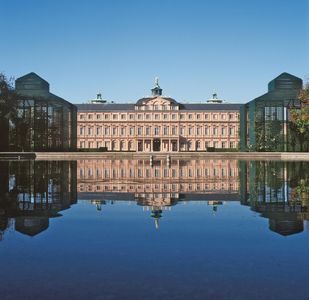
x=158 y=123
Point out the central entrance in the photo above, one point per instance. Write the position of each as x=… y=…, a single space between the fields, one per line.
x=156 y=146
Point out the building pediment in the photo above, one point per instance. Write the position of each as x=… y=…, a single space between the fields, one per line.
x=156 y=103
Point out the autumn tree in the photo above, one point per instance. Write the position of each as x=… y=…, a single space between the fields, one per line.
x=300 y=119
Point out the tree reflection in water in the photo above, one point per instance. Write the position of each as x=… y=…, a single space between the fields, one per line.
x=31 y=192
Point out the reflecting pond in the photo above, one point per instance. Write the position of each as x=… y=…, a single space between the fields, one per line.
x=162 y=229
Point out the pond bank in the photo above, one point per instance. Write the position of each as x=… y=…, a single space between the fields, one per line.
x=278 y=156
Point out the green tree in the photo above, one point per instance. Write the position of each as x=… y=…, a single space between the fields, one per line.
x=300 y=119
x=8 y=109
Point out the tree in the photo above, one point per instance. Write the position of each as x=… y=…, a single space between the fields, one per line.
x=300 y=119
x=8 y=109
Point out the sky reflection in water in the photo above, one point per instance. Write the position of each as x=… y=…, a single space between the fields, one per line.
x=245 y=239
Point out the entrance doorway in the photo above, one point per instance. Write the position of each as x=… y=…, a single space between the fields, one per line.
x=156 y=145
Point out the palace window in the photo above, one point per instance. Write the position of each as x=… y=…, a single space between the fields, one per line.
x=81 y=130
x=206 y=116
x=206 y=130
x=147 y=117
x=139 y=131
x=115 y=117
x=156 y=131
x=89 y=117
x=165 y=116
x=123 y=117
x=90 y=130
x=223 y=131
x=106 y=116
x=147 y=130
x=98 y=130
x=165 y=130
x=190 y=116
x=215 y=131
x=174 y=131
x=131 y=116
x=157 y=117
x=131 y=130
x=98 y=117
x=173 y=116
x=139 y=116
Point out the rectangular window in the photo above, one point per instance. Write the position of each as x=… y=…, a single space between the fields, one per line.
x=81 y=130
x=165 y=130
x=174 y=116
x=156 y=131
x=174 y=131
x=147 y=130
x=98 y=130
x=131 y=130
x=206 y=130
x=139 y=130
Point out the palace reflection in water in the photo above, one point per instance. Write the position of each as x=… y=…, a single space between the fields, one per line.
x=31 y=192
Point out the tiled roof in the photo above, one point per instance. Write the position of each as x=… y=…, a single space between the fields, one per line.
x=128 y=106
x=106 y=107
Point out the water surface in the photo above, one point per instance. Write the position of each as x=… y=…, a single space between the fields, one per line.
x=154 y=230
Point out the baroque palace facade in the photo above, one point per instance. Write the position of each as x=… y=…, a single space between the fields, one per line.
x=158 y=123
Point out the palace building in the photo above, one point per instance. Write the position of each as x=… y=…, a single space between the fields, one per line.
x=158 y=123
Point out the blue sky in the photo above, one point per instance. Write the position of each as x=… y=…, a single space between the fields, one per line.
x=119 y=46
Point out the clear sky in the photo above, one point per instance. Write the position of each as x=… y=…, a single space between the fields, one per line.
x=117 y=47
